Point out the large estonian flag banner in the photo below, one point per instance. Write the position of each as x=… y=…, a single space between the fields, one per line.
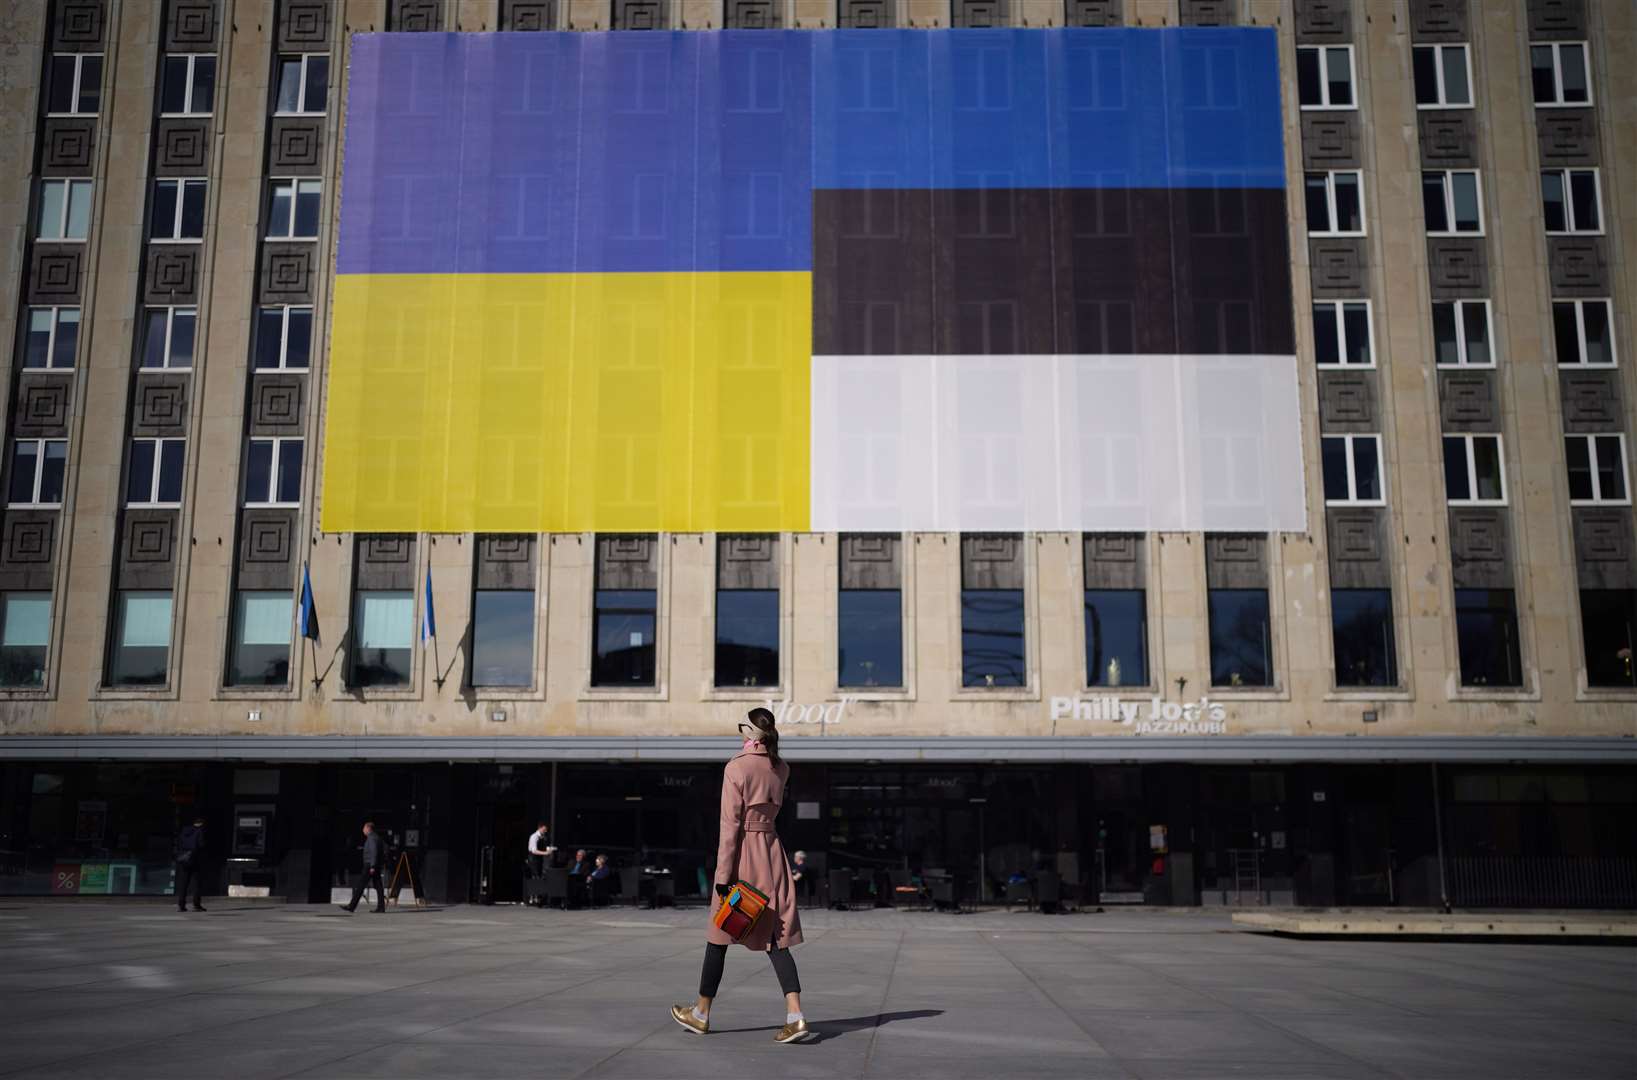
x=869 y=280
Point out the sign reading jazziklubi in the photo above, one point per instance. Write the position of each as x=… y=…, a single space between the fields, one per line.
x=889 y=280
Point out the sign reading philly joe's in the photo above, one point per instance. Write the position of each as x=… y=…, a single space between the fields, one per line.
x=1152 y=717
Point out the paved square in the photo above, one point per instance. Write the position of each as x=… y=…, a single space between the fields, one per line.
x=137 y=990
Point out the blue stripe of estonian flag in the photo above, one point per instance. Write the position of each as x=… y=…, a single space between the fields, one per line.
x=309 y=612
x=429 y=621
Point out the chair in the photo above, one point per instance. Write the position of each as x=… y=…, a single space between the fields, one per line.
x=1048 y=891
x=942 y=890
x=841 y=889
x=631 y=885
x=903 y=888
x=554 y=886
x=665 y=891
x=601 y=889
x=1017 y=891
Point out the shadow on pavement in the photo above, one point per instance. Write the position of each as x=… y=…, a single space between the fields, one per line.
x=829 y=1029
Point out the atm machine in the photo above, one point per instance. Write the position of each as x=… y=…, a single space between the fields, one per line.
x=251 y=865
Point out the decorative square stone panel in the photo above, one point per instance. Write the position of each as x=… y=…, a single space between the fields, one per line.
x=1113 y=560
x=979 y=14
x=747 y=561
x=415 y=16
x=1438 y=20
x=1323 y=21
x=1094 y=13
x=753 y=15
x=627 y=561
x=267 y=539
x=390 y=549
x=1591 y=401
x=1354 y=536
x=1467 y=400
x=528 y=14
x=43 y=405
x=1338 y=267
x=161 y=405
x=1578 y=265
x=870 y=560
x=1477 y=536
x=1448 y=139
x=80 y=25
x=642 y=14
x=1206 y=12
x=1602 y=535
x=276 y=404
x=1457 y=267
x=54 y=273
x=1330 y=140
x=1567 y=136
x=506 y=561
x=149 y=538
x=866 y=14
x=29 y=538
x=507 y=547
x=68 y=146
x=182 y=147
x=304 y=25
x=172 y=274
x=191 y=26
x=295 y=146
x=1236 y=560
x=267 y=549
x=1346 y=402
x=1557 y=19
x=287 y=273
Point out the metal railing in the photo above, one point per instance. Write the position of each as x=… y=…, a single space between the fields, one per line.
x=1543 y=881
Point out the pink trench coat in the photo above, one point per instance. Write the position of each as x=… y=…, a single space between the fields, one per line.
x=749 y=849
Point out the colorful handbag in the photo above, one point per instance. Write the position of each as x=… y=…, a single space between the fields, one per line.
x=736 y=915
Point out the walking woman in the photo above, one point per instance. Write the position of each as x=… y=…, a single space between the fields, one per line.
x=749 y=850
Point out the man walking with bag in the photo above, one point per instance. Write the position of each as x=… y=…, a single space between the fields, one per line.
x=190 y=852
x=375 y=860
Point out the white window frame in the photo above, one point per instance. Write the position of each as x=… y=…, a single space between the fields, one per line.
x=1557 y=48
x=1568 y=200
x=1330 y=201
x=158 y=470
x=182 y=183
x=1341 y=333
x=1580 y=331
x=68 y=187
x=56 y=322
x=1597 y=498
x=1464 y=364
x=277 y=442
x=301 y=94
x=170 y=328
x=192 y=107
x=1438 y=65
x=39 y=473
x=79 y=81
x=294 y=183
x=1446 y=179
x=1324 y=80
x=1352 y=498
x=284 y=311
x=1468 y=439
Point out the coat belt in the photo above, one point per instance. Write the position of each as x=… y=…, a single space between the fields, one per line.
x=758 y=826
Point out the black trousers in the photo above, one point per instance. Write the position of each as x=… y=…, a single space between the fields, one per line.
x=371 y=876
x=710 y=979
x=187 y=875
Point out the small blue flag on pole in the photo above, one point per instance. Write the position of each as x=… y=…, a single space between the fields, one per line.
x=309 y=612
x=429 y=621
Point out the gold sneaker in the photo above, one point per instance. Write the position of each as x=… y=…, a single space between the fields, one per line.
x=793 y=1033
x=683 y=1014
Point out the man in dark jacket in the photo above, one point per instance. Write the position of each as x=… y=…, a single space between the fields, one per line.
x=375 y=860
x=190 y=852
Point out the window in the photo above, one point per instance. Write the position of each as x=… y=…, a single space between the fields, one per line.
x=1442 y=79
x=155 y=476
x=1334 y=204
x=1597 y=468
x=261 y=639
x=870 y=638
x=1453 y=201
x=1460 y=331
x=1324 y=76
x=303 y=83
x=1608 y=620
x=51 y=337
x=25 y=630
x=37 y=467
x=1342 y=334
x=623 y=637
x=1116 y=637
x=292 y=212
x=284 y=338
x=1486 y=633
x=1472 y=470
x=747 y=637
x=993 y=643
x=167 y=340
x=76 y=84
x=1560 y=73
x=1241 y=639
x=503 y=637
x=383 y=630
x=142 y=639
x=272 y=472
x=1569 y=201
x=1361 y=622
x=1352 y=469
x=178 y=210
x=1584 y=331
x=189 y=85
x=65 y=210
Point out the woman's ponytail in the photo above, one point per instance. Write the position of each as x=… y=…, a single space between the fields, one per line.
x=762 y=720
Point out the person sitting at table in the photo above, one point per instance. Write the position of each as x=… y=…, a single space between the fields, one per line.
x=600 y=869
x=580 y=866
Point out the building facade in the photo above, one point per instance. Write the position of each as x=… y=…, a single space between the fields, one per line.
x=1427 y=696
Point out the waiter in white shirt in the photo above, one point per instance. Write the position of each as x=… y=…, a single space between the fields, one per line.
x=539 y=852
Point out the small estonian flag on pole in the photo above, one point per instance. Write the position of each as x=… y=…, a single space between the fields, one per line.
x=429 y=620
x=309 y=612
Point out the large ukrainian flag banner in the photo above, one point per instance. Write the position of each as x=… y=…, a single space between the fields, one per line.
x=791 y=280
